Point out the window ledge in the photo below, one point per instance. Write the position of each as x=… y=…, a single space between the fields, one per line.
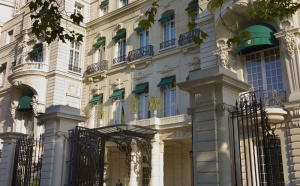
x=167 y=48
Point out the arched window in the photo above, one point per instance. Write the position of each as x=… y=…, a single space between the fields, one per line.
x=262 y=57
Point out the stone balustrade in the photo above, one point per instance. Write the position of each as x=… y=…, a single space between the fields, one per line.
x=163 y=121
x=30 y=66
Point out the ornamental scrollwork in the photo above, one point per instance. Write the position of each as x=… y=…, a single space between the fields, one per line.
x=289 y=43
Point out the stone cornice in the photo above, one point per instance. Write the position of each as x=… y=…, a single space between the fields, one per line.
x=11 y=135
x=216 y=75
x=117 y=14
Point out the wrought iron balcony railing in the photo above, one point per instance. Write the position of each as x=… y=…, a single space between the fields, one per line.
x=140 y=53
x=96 y=67
x=74 y=68
x=120 y=59
x=270 y=98
x=188 y=37
x=167 y=44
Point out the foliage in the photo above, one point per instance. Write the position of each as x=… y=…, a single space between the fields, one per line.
x=134 y=104
x=49 y=14
x=100 y=111
x=154 y=102
x=87 y=112
x=47 y=21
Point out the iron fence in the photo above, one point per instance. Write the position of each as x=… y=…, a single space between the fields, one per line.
x=167 y=44
x=140 y=53
x=86 y=166
x=256 y=149
x=28 y=162
x=97 y=67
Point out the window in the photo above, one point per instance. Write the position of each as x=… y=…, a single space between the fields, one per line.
x=36 y=54
x=101 y=53
x=193 y=7
x=170 y=99
x=168 y=24
x=143 y=105
x=9 y=36
x=120 y=52
x=144 y=38
x=123 y=3
x=74 y=57
x=104 y=11
x=2 y=74
x=145 y=172
x=264 y=70
x=77 y=9
x=119 y=114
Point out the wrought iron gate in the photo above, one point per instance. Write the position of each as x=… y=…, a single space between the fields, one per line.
x=86 y=157
x=257 y=153
x=28 y=162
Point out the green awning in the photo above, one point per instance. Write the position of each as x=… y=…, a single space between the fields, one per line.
x=141 y=88
x=103 y=4
x=36 y=49
x=262 y=37
x=99 y=42
x=138 y=28
x=166 y=81
x=192 y=5
x=166 y=16
x=96 y=98
x=25 y=103
x=120 y=34
x=117 y=93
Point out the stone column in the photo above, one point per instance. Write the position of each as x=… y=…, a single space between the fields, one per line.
x=58 y=121
x=155 y=162
x=161 y=165
x=211 y=92
x=293 y=145
x=134 y=164
x=7 y=157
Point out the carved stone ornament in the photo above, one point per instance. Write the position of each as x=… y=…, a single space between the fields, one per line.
x=120 y=26
x=167 y=69
x=16 y=82
x=222 y=107
x=294 y=123
x=141 y=76
x=22 y=45
x=132 y=67
x=289 y=43
x=287 y=34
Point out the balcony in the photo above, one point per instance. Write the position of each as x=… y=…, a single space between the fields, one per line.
x=97 y=67
x=74 y=68
x=188 y=37
x=270 y=98
x=165 y=122
x=30 y=66
x=120 y=59
x=142 y=52
x=167 y=44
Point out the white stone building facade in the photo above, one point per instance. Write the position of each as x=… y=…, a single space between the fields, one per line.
x=119 y=61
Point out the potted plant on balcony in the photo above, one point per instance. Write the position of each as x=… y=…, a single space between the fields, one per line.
x=87 y=113
x=134 y=104
x=154 y=103
x=100 y=113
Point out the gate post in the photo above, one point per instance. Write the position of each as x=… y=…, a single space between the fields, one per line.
x=212 y=90
x=8 y=156
x=58 y=121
